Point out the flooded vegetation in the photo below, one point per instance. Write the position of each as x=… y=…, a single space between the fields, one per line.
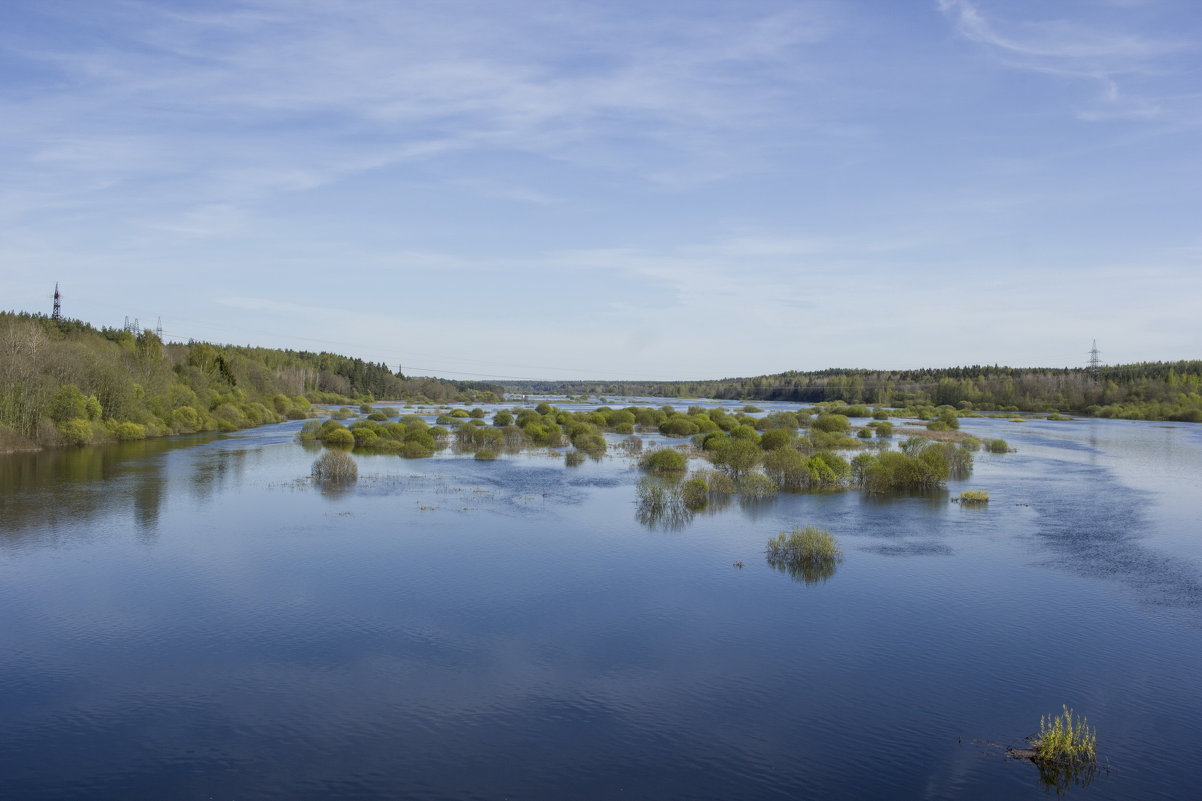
x=462 y=600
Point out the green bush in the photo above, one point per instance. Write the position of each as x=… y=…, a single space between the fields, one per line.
x=973 y=496
x=997 y=446
x=809 y=554
x=129 y=431
x=1065 y=739
x=340 y=436
x=694 y=493
x=664 y=460
x=757 y=486
x=485 y=455
x=832 y=423
x=335 y=467
x=76 y=432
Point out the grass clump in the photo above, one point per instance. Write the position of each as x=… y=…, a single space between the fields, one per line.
x=809 y=544
x=973 y=497
x=807 y=554
x=997 y=446
x=335 y=467
x=1065 y=739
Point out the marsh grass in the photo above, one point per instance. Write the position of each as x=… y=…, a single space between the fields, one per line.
x=971 y=497
x=807 y=554
x=1065 y=739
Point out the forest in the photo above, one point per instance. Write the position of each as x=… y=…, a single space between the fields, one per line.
x=65 y=382
x=1147 y=391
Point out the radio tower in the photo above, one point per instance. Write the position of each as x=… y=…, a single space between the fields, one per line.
x=57 y=314
x=1094 y=361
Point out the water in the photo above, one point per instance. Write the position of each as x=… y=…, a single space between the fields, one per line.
x=190 y=619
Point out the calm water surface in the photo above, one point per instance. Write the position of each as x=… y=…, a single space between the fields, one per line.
x=192 y=619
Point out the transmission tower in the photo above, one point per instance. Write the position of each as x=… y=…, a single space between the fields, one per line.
x=58 y=304
x=1094 y=361
x=158 y=330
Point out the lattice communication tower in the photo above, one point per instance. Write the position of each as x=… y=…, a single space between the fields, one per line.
x=57 y=314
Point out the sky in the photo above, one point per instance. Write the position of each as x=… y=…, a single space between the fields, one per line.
x=683 y=189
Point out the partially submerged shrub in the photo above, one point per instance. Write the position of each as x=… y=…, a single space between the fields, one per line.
x=1065 y=739
x=755 y=486
x=664 y=460
x=973 y=497
x=573 y=458
x=485 y=455
x=808 y=554
x=335 y=467
x=997 y=446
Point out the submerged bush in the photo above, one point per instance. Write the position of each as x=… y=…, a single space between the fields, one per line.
x=485 y=455
x=335 y=467
x=756 y=486
x=664 y=460
x=997 y=446
x=973 y=496
x=1065 y=739
x=807 y=554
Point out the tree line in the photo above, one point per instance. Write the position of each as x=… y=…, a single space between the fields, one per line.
x=67 y=382
x=1148 y=391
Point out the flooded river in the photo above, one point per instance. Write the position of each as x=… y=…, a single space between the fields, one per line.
x=192 y=619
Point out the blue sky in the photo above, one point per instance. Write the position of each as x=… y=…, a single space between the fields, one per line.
x=613 y=189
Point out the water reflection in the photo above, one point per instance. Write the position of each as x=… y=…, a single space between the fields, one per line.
x=1060 y=778
x=806 y=571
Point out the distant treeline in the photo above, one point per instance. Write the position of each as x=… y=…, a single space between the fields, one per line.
x=66 y=382
x=1149 y=391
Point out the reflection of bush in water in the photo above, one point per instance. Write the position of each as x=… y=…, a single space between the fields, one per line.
x=573 y=458
x=807 y=554
x=660 y=505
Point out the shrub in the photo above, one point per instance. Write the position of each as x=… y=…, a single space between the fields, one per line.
x=664 y=460
x=485 y=455
x=997 y=446
x=737 y=456
x=1065 y=739
x=679 y=426
x=757 y=486
x=335 y=467
x=832 y=423
x=973 y=496
x=695 y=493
x=502 y=419
x=76 y=432
x=309 y=431
x=340 y=436
x=573 y=458
x=884 y=430
x=809 y=553
x=775 y=438
x=129 y=431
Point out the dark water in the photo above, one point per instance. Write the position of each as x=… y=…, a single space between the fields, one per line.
x=192 y=620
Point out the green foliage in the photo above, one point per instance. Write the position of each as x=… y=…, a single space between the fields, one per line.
x=832 y=423
x=664 y=460
x=485 y=455
x=502 y=419
x=76 y=432
x=1065 y=739
x=808 y=554
x=736 y=457
x=335 y=467
x=757 y=486
x=997 y=446
x=695 y=493
x=339 y=436
x=973 y=497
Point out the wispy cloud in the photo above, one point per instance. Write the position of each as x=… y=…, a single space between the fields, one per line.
x=1104 y=54
x=263 y=97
